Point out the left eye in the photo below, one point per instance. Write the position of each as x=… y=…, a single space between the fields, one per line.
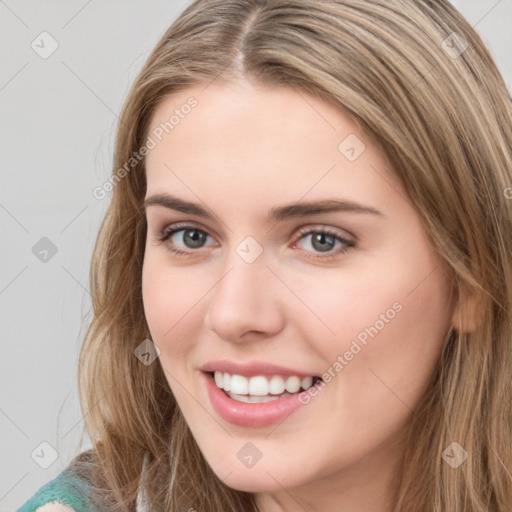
x=322 y=240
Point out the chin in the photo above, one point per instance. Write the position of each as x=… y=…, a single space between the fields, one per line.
x=249 y=481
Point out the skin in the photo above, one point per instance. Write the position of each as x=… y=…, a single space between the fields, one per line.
x=241 y=151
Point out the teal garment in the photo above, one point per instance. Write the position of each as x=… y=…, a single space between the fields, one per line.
x=67 y=488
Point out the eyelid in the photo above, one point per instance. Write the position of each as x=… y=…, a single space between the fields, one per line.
x=178 y=226
x=301 y=231
x=337 y=232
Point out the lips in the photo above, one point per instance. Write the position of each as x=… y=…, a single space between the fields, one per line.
x=253 y=368
x=249 y=415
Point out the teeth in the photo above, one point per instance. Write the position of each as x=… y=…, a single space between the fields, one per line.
x=293 y=384
x=248 y=399
x=239 y=384
x=260 y=386
x=276 y=385
x=227 y=382
x=219 y=379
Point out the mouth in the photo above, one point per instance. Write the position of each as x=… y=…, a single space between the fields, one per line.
x=259 y=389
x=259 y=400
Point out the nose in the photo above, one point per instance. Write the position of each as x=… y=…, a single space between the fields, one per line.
x=246 y=304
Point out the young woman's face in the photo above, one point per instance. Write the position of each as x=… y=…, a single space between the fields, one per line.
x=366 y=306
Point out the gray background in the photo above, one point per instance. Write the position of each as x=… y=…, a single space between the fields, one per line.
x=57 y=133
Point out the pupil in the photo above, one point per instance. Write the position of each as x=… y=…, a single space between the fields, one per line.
x=195 y=239
x=321 y=237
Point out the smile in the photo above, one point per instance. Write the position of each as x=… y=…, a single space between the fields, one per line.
x=251 y=410
x=261 y=388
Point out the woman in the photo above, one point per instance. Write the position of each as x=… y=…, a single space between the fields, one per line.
x=302 y=286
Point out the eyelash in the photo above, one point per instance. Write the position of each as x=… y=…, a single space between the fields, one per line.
x=168 y=232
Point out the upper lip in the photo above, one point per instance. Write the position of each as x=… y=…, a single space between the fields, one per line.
x=251 y=368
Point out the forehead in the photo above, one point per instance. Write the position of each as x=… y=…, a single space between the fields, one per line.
x=229 y=112
x=277 y=141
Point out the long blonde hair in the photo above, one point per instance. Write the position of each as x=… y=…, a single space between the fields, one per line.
x=421 y=84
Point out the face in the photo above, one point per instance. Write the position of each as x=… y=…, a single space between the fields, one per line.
x=350 y=291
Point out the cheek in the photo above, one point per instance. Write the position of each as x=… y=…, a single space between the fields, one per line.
x=168 y=299
x=163 y=309
x=174 y=301
x=386 y=379
x=388 y=322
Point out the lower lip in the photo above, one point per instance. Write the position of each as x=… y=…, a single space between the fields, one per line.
x=250 y=415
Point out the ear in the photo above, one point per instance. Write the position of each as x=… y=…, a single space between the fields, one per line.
x=468 y=313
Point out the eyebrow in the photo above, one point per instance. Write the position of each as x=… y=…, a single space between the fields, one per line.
x=277 y=214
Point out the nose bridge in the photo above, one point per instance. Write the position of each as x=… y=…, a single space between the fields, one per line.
x=242 y=281
x=244 y=299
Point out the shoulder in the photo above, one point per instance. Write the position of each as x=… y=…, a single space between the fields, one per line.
x=67 y=492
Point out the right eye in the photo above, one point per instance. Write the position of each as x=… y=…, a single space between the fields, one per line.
x=192 y=238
